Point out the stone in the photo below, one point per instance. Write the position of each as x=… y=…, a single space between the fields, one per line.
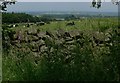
x=99 y=36
x=32 y=31
x=32 y=38
x=60 y=41
x=60 y=33
x=70 y=42
x=43 y=49
x=68 y=39
x=74 y=33
x=41 y=34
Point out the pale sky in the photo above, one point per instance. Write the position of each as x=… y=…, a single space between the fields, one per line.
x=59 y=0
x=60 y=6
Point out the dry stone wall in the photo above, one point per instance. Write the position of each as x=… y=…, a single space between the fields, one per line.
x=65 y=41
x=69 y=55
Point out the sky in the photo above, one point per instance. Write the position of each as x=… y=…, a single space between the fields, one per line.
x=60 y=6
x=59 y=0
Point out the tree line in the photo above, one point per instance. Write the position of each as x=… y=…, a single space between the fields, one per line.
x=18 y=18
x=24 y=18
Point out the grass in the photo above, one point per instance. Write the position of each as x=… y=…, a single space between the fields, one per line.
x=80 y=60
x=85 y=24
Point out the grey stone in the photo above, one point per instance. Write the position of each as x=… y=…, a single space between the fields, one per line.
x=41 y=34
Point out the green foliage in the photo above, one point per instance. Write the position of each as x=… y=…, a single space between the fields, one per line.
x=3 y=4
x=67 y=58
x=18 y=18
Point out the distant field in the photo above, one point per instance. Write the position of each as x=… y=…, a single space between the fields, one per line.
x=83 y=24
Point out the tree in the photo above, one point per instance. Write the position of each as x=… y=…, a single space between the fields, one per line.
x=18 y=18
x=4 y=3
x=97 y=3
